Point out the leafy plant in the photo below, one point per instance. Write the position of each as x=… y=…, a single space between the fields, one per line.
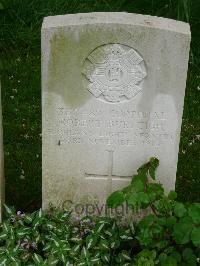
x=172 y=231
x=55 y=238
x=168 y=236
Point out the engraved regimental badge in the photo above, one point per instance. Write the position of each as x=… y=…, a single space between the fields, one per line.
x=114 y=72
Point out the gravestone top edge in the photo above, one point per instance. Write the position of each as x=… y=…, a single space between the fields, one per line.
x=116 y=18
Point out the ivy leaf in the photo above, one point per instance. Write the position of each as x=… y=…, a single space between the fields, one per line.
x=195 y=236
x=154 y=162
x=132 y=200
x=139 y=199
x=189 y=257
x=182 y=230
x=143 y=198
x=147 y=221
x=145 y=237
x=127 y=190
x=145 y=253
x=179 y=209
x=137 y=185
x=170 y=221
x=194 y=212
x=155 y=191
x=169 y=261
x=176 y=255
x=115 y=199
x=142 y=173
x=172 y=195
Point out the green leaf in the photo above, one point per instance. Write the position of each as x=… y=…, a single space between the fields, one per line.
x=1 y=6
x=22 y=232
x=194 y=212
x=95 y=259
x=14 y=263
x=115 y=199
x=91 y=241
x=155 y=191
x=28 y=219
x=179 y=209
x=115 y=244
x=37 y=258
x=125 y=234
x=82 y=263
x=172 y=195
x=154 y=162
x=189 y=257
x=137 y=185
x=143 y=198
x=125 y=255
x=6 y=227
x=132 y=200
x=85 y=253
x=3 y=236
x=145 y=237
x=105 y=258
x=63 y=258
x=147 y=221
x=138 y=200
x=3 y=261
x=9 y=210
x=170 y=221
x=127 y=190
x=176 y=255
x=169 y=261
x=182 y=230
x=75 y=249
x=104 y=244
x=195 y=236
x=152 y=173
x=40 y=213
x=52 y=260
x=151 y=254
x=142 y=174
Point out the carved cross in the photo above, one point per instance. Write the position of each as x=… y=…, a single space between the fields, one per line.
x=109 y=177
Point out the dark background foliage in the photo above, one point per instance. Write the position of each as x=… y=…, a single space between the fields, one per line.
x=20 y=24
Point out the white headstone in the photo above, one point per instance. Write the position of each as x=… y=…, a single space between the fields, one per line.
x=113 y=89
x=1 y=163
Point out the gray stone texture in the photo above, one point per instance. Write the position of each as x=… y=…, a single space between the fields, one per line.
x=113 y=88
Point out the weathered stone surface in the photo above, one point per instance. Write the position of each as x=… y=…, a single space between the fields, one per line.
x=1 y=163
x=113 y=89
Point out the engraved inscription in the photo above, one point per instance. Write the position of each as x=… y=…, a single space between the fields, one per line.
x=115 y=127
x=114 y=72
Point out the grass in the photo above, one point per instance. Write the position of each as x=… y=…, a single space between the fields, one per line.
x=20 y=22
